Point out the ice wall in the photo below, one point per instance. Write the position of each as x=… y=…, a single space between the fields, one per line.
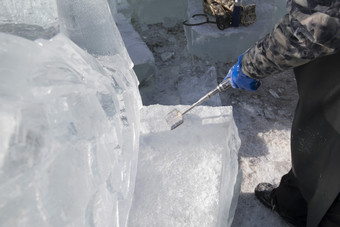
x=208 y=42
x=188 y=176
x=70 y=133
x=141 y=56
x=159 y=11
x=69 y=136
x=91 y=26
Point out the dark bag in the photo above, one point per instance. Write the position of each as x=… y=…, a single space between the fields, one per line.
x=222 y=10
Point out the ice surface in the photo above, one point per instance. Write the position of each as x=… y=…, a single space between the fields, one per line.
x=37 y=12
x=91 y=26
x=69 y=135
x=208 y=42
x=188 y=176
x=141 y=56
x=159 y=11
x=30 y=19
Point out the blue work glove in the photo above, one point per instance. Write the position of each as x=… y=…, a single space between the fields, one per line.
x=240 y=80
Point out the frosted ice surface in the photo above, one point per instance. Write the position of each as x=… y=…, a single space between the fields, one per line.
x=37 y=12
x=208 y=42
x=159 y=11
x=188 y=176
x=91 y=26
x=69 y=135
x=141 y=56
x=30 y=19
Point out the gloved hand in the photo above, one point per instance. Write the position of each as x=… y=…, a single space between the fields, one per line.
x=240 y=80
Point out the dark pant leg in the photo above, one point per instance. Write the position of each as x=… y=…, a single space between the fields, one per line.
x=315 y=136
x=288 y=200
x=332 y=217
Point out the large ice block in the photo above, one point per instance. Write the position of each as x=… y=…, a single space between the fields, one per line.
x=91 y=26
x=30 y=19
x=69 y=135
x=188 y=176
x=159 y=11
x=38 y=12
x=141 y=56
x=208 y=42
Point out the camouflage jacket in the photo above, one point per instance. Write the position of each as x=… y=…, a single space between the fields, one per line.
x=311 y=29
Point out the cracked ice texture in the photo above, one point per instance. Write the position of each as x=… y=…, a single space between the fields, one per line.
x=69 y=135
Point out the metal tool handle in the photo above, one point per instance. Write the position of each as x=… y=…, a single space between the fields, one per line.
x=224 y=85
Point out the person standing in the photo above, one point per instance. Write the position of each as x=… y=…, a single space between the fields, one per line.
x=306 y=39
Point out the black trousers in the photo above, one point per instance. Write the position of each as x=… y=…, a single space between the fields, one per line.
x=291 y=203
x=310 y=191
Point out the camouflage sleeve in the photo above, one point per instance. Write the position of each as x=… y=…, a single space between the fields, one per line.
x=311 y=29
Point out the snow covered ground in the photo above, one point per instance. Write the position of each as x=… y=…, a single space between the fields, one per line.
x=263 y=117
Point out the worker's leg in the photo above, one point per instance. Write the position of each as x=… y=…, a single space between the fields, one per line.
x=332 y=217
x=288 y=201
x=315 y=136
x=315 y=145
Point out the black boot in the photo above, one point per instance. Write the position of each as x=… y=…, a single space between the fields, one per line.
x=265 y=192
